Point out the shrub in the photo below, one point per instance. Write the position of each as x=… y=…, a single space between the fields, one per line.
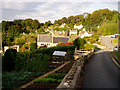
x=37 y=60
x=39 y=63
x=9 y=60
x=33 y=46
x=79 y=43
x=89 y=46
x=24 y=47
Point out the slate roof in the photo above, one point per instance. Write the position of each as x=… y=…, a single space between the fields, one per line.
x=44 y=38
x=60 y=39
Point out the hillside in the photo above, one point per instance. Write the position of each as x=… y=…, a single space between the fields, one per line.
x=103 y=22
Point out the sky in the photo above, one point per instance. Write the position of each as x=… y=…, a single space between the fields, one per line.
x=54 y=10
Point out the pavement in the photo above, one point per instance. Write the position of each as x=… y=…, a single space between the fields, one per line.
x=101 y=71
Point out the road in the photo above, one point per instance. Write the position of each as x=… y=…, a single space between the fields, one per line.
x=101 y=72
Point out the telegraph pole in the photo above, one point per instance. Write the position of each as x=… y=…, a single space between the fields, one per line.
x=118 y=31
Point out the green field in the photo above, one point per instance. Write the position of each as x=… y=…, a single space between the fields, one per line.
x=115 y=41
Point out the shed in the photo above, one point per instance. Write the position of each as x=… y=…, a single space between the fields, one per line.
x=59 y=57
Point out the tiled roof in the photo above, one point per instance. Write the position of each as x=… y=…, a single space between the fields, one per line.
x=44 y=38
x=60 y=39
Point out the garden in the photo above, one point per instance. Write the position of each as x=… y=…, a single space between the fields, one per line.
x=52 y=80
x=22 y=67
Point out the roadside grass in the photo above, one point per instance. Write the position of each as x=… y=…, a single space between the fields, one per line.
x=115 y=41
x=117 y=54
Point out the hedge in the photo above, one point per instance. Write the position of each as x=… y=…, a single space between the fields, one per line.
x=37 y=60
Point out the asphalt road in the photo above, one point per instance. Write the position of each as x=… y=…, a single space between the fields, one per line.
x=101 y=72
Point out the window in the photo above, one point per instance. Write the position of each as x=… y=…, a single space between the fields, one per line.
x=42 y=44
x=48 y=44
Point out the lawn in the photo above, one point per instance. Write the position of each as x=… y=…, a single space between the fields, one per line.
x=115 y=41
x=117 y=53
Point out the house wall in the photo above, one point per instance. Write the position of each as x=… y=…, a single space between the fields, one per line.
x=14 y=47
x=46 y=43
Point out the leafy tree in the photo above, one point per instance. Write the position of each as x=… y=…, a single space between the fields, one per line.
x=107 y=28
x=79 y=43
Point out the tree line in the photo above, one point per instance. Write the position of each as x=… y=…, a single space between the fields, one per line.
x=104 y=18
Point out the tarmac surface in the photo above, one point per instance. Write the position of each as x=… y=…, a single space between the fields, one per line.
x=101 y=72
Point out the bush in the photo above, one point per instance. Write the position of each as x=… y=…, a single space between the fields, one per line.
x=24 y=47
x=33 y=46
x=9 y=60
x=89 y=46
x=37 y=60
x=79 y=43
x=39 y=63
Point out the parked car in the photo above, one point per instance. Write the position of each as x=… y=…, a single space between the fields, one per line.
x=112 y=36
x=116 y=48
x=116 y=35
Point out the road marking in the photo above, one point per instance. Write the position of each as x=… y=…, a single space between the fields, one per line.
x=115 y=61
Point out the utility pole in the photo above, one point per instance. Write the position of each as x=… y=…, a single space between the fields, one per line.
x=118 y=31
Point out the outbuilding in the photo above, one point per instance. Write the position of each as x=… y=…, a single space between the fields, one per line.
x=59 y=57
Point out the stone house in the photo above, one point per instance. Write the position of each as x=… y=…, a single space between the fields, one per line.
x=73 y=32
x=84 y=33
x=50 y=40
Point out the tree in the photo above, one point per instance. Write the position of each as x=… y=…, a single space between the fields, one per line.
x=79 y=43
x=9 y=60
x=33 y=46
x=107 y=28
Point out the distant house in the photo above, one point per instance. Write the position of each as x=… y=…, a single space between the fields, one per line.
x=73 y=32
x=60 y=33
x=73 y=37
x=78 y=26
x=50 y=40
x=84 y=33
x=14 y=47
x=63 y=25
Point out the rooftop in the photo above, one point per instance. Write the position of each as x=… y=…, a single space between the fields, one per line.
x=59 y=53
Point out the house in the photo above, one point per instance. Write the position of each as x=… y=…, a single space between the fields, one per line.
x=59 y=57
x=60 y=33
x=60 y=39
x=78 y=26
x=63 y=25
x=73 y=37
x=14 y=47
x=50 y=40
x=73 y=32
x=43 y=40
x=84 y=33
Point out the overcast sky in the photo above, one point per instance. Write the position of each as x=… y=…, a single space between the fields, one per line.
x=44 y=11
